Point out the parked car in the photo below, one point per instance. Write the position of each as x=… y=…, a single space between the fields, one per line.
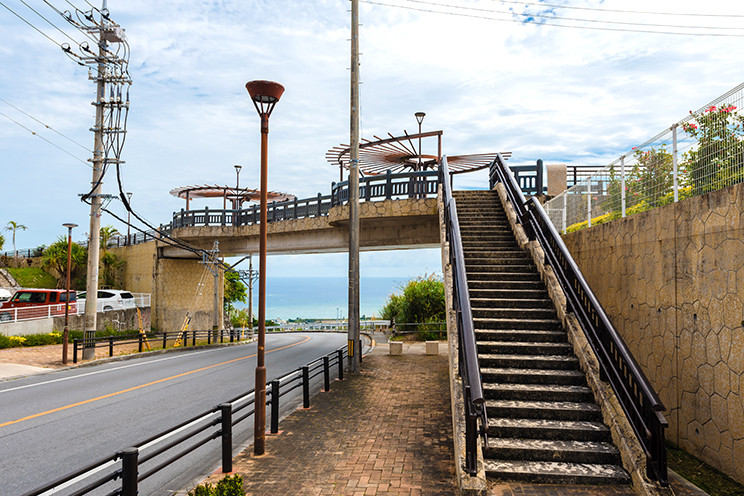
x=5 y=295
x=24 y=299
x=112 y=299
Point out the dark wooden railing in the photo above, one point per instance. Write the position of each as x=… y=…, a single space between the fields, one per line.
x=617 y=365
x=469 y=370
x=530 y=178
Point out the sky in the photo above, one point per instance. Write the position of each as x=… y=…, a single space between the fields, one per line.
x=569 y=81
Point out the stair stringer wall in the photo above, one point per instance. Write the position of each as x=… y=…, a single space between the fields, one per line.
x=631 y=452
x=467 y=484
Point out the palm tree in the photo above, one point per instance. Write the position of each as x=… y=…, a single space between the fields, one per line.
x=14 y=226
x=107 y=233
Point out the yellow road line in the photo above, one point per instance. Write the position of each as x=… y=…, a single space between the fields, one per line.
x=91 y=400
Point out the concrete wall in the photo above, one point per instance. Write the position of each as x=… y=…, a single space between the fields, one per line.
x=672 y=281
x=112 y=320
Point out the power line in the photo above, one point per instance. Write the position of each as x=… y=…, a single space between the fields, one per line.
x=619 y=10
x=37 y=29
x=42 y=137
x=543 y=16
x=545 y=23
x=50 y=23
x=46 y=125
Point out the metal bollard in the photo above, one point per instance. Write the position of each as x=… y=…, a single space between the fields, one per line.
x=209 y=337
x=165 y=339
x=305 y=387
x=226 y=413
x=74 y=350
x=326 y=374
x=340 y=364
x=274 y=407
x=139 y=346
x=129 y=472
x=111 y=346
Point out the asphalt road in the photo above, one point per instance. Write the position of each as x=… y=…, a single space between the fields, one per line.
x=53 y=424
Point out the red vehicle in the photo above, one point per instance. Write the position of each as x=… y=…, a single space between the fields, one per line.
x=35 y=303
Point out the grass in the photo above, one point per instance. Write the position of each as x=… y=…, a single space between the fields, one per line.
x=33 y=277
x=701 y=474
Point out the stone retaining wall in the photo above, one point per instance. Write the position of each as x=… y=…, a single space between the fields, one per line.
x=672 y=281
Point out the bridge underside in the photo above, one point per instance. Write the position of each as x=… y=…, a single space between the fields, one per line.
x=385 y=225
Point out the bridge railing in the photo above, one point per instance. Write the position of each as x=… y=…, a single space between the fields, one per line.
x=469 y=369
x=617 y=365
x=138 y=463
x=419 y=184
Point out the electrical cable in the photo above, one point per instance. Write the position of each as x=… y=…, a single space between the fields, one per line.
x=554 y=6
x=545 y=23
x=543 y=16
x=42 y=137
x=50 y=22
x=46 y=126
x=37 y=29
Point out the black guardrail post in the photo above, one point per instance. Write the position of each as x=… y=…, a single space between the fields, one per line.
x=139 y=344
x=226 y=414
x=274 y=407
x=74 y=350
x=326 y=374
x=129 y=471
x=222 y=335
x=305 y=387
x=165 y=339
x=359 y=347
x=341 y=363
x=193 y=338
x=111 y=346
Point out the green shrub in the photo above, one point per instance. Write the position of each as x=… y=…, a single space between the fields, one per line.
x=422 y=303
x=228 y=486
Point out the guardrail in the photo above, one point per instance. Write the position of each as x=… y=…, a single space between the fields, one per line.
x=136 y=464
x=617 y=365
x=469 y=370
x=19 y=314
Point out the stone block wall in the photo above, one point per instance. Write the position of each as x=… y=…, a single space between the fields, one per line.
x=672 y=281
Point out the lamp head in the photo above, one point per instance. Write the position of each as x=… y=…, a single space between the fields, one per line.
x=238 y=168
x=69 y=225
x=420 y=117
x=262 y=92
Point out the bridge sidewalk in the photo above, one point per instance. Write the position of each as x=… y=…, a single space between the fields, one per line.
x=384 y=431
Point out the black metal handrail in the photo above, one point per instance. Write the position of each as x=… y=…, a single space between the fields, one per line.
x=215 y=423
x=417 y=184
x=616 y=363
x=469 y=370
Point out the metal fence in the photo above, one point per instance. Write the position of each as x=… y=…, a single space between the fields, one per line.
x=141 y=300
x=701 y=153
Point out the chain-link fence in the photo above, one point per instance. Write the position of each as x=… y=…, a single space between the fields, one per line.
x=701 y=153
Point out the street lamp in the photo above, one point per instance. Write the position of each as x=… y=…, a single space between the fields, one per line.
x=237 y=187
x=66 y=332
x=419 y=118
x=129 y=216
x=264 y=94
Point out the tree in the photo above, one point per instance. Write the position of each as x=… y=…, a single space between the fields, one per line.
x=107 y=233
x=235 y=290
x=2 y=241
x=55 y=258
x=422 y=302
x=110 y=262
x=14 y=226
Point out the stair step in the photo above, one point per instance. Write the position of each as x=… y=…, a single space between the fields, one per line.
x=552 y=410
x=556 y=362
x=517 y=324
x=534 y=376
x=513 y=303
x=548 y=429
x=556 y=472
x=528 y=337
x=513 y=313
x=538 y=392
x=487 y=288
x=552 y=450
x=518 y=348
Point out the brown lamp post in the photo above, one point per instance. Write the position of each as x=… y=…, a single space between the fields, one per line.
x=66 y=332
x=419 y=118
x=264 y=94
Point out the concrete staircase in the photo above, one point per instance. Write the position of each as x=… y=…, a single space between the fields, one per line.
x=544 y=425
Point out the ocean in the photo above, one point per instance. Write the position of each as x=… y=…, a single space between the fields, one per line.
x=323 y=297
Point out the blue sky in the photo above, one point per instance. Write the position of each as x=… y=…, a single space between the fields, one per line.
x=519 y=84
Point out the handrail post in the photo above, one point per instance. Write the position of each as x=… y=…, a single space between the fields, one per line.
x=388 y=185
x=340 y=364
x=305 y=387
x=226 y=431
x=275 y=406
x=326 y=374
x=129 y=471
x=320 y=201
x=539 y=178
x=206 y=216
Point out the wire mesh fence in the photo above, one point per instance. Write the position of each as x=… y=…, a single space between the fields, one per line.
x=701 y=153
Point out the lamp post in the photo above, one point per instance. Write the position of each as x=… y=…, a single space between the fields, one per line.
x=419 y=118
x=237 y=186
x=264 y=95
x=129 y=216
x=66 y=332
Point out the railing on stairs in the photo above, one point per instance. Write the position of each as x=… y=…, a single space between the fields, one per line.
x=469 y=369
x=617 y=365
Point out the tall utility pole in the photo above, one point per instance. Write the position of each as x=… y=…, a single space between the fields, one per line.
x=91 y=285
x=353 y=332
